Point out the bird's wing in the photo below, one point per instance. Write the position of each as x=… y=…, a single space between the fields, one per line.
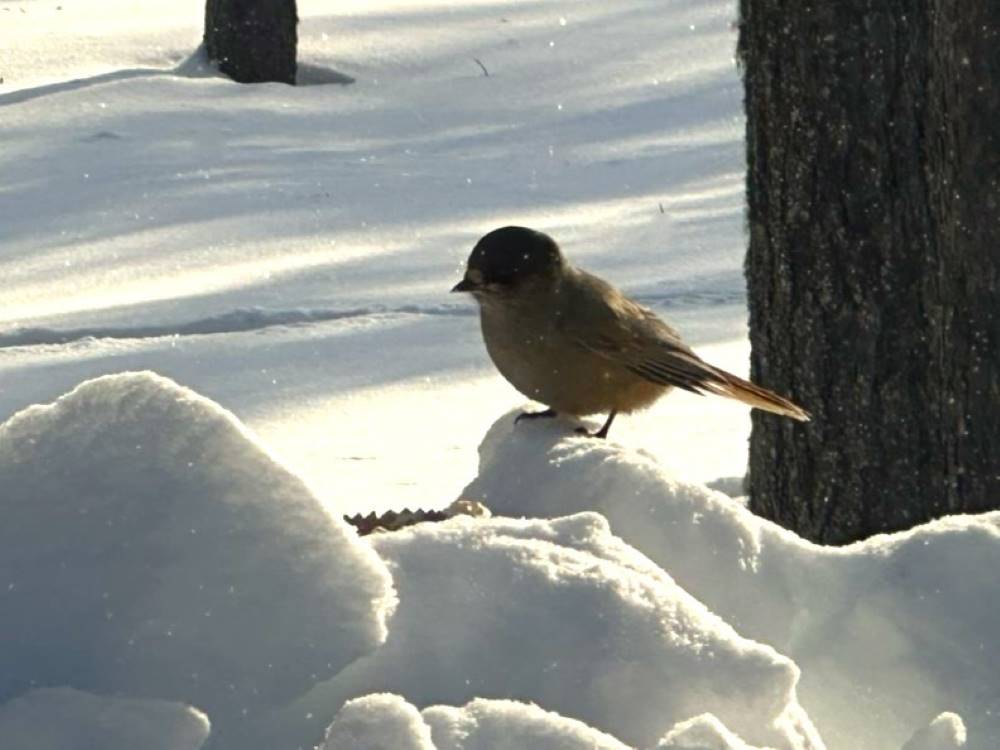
x=633 y=337
x=636 y=339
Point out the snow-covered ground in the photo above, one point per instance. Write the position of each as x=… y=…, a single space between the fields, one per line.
x=136 y=202
x=172 y=561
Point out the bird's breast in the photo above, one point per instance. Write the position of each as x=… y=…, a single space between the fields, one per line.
x=539 y=358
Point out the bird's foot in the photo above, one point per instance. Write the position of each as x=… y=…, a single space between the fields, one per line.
x=547 y=414
x=601 y=433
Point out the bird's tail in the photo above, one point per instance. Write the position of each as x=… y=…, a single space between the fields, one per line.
x=754 y=395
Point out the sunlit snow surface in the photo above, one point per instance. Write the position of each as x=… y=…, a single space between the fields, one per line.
x=136 y=202
x=173 y=564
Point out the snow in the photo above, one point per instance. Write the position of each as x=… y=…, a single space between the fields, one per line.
x=485 y=724
x=896 y=627
x=151 y=547
x=142 y=200
x=67 y=719
x=704 y=732
x=381 y=721
x=171 y=554
x=385 y=720
x=646 y=655
x=946 y=732
x=378 y=722
x=155 y=550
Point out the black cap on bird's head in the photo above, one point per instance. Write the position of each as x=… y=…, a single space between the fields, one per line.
x=505 y=257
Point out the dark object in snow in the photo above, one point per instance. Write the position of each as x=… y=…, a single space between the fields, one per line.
x=252 y=41
x=393 y=521
x=873 y=267
x=573 y=342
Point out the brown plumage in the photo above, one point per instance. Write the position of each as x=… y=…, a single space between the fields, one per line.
x=570 y=340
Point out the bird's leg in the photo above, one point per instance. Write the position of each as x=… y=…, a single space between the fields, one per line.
x=547 y=414
x=603 y=432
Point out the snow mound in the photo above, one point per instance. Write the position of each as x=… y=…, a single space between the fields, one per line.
x=703 y=732
x=490 y=724
x=382 y=721
x=67 y=719
x=563 y=614
x=151 y=547
x=946 y=732
x=378 y=722
x=886 y=632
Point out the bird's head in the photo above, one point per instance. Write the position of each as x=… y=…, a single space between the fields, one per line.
x=507 y=260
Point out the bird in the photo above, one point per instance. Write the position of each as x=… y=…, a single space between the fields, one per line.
x=570 y=340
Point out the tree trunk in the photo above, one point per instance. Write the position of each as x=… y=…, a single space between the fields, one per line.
x=873 y=150
x=252 y=41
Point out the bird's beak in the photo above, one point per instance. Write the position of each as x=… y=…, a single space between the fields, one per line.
x=465 y=286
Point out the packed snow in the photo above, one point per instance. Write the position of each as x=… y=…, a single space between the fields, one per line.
x=226 y=325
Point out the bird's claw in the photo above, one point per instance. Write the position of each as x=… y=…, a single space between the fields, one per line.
x=535 y=415
x=601 y=433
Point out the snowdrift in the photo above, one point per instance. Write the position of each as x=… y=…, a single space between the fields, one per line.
x=163 y=575
x=151 y=548
x=563 y=614
x=888 y=633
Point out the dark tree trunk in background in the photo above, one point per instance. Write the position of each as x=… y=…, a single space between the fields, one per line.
x=252 y=41
x=873 y=149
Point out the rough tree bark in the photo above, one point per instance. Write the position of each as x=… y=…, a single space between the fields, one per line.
x=252 y=41
x=873 y=150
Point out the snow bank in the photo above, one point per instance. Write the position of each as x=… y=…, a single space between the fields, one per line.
x=388 y=721
x=150 y=547
x=887 y=632
x=67 y=719
x=563 y=614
